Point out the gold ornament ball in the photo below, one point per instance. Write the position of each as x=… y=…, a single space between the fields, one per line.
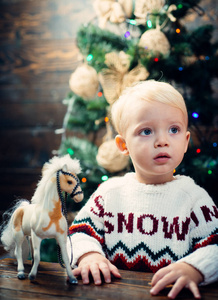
x=110 y=158
x=156 y=41
x=84 y=82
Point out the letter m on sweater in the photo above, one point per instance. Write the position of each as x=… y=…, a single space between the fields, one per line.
x=170 y=228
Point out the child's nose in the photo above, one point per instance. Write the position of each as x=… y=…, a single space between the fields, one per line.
x=161 y=141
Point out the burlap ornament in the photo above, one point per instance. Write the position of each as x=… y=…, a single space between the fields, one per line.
x=116 y=78
x=127 y=6
x=110 y=158
x=155 y=41
x=84 y=82
x=144 y=7
x=112 y=10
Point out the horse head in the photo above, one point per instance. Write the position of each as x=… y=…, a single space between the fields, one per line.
x=59 y=173
x=69 y=183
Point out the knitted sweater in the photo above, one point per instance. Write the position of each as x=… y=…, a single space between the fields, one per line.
x=146 y=227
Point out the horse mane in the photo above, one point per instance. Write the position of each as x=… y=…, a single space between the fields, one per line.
x=58 y=163
x=49 y=170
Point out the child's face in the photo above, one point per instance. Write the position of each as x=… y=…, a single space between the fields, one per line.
x=156 y=139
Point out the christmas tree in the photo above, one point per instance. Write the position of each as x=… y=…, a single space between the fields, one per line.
x=130 y=41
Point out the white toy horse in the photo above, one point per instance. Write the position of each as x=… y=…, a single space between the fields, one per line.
x=43 y=218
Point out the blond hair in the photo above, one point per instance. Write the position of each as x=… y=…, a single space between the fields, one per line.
x=149 y=90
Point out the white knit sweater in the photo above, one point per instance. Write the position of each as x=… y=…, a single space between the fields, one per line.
x=146 y=227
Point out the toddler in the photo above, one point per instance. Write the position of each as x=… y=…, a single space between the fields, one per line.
x=149 y=220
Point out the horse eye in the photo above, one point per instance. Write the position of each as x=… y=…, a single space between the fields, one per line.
x=69 y=182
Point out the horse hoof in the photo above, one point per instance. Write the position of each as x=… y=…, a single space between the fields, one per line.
x=21 y=276
x=31 y=277
x=72 y=280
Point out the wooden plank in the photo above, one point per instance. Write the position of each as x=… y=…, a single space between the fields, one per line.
x=50 y=19
x=33 y=62
x=27 y=147
x=30 y=34
x=32 y=115
x=26 y=181
x=17 y=184
x=24 y=295
x=38 y=93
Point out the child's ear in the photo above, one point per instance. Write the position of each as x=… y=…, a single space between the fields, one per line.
x=187 y=140
x=121 y=144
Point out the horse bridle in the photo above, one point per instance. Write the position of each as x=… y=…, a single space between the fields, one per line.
x=63 y=202
x=73 y=193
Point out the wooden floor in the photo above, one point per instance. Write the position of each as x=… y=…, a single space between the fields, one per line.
x=37 y=55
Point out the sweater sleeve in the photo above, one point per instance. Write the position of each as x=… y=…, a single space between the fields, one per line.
x=204 y=260
x=204 y=238
x=87 y=230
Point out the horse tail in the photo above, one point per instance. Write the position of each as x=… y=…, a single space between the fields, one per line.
x=6 y=228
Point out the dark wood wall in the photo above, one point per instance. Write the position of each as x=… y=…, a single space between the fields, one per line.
x=37 y=55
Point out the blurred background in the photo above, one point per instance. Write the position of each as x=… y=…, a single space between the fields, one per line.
x=44 y=42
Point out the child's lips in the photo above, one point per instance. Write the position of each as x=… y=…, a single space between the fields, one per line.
x=162 y=157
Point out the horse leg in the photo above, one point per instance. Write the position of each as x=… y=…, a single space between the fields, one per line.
x=36 y=242
x=62 y=242
x=19 y=238
x=31 y=248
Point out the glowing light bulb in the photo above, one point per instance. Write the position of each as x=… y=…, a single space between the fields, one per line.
x=89 y=57
x=198 y=151
x=70 y=151
x=180 y=68
x=106 y=119
x=132 y=22
x=210 y=172
x=104 y=178
x=178 y=30
x=214 y=144
x=156 y=59
x=149 y=24
x=100 y=94
x=195 y=115
x=83 y=179
x=127 y=34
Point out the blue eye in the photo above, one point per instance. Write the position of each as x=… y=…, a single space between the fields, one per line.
x=146 y=131
x=174 y=130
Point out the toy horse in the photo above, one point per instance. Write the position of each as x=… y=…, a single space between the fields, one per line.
x=43 y=218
